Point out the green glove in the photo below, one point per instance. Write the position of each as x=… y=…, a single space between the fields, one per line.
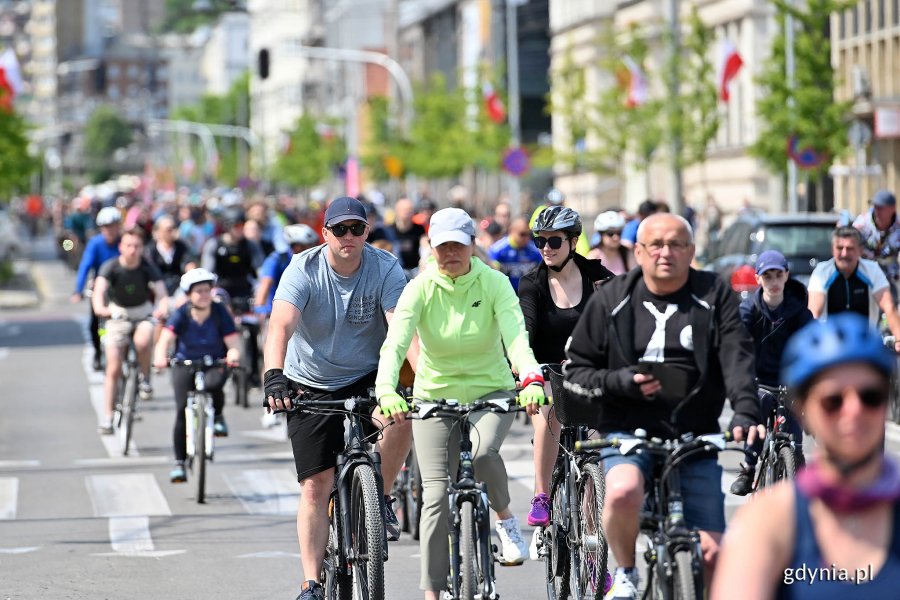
x=532 y=394
x=393 y=403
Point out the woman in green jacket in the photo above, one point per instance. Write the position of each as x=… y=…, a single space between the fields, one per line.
x=465 y=313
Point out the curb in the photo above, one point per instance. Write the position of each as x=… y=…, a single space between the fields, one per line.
x=17 y=299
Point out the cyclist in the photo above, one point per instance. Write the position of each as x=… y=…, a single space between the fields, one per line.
x=880 y=232
x=329 y=318
x=685 y=324
x=464 y=315
x=408 y=235
x=298 y=238
x=130 y=282
x=99 y=249
x=842 y=513
x=771 y=315
x=515 y=254
x=552 y=298
x=199 y=328
x=616 y=257
x=847 y=282
x=170 y=255
x=554 y=197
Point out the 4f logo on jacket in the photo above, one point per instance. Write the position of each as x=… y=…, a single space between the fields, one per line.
x=476 y=304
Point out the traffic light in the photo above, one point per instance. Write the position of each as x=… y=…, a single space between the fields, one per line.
x=100 y=78
x=263 y=63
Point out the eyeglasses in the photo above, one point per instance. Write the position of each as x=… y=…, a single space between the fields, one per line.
x=340 y=230
x=874 y=397
x=655 y=247
x=554 y=242
x=612 y=233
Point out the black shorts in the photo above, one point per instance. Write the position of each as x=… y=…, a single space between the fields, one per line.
x=316 y=440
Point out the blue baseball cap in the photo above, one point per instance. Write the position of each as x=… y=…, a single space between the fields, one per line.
x=771 y=259
x=345 y=208
x=884 y=198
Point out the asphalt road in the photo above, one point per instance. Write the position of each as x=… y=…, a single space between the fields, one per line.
x=78 y=520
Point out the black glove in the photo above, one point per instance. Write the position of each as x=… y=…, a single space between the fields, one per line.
x=745 y=422
x=620 y=382
x=276 y=385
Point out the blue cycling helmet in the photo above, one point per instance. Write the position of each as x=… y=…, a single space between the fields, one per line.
x=843 y=338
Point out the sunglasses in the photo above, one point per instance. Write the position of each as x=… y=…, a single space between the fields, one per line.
x=612 y=233
x=873 y=398
x=554 y=242
x=340 y=230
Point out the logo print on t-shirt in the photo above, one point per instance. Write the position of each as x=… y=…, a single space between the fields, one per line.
x=655 y=351
x=361 y=310
x=686 y=338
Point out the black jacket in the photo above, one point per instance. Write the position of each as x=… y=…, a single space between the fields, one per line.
x=535 y=300
x=603 y=357
x=770 y=334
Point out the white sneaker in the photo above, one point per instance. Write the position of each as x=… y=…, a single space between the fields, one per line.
x=533 y=548
x=513 y=549
x=269 y=419
x=145 y=390
x=624 y=587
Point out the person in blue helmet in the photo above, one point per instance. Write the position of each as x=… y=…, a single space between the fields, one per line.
x=834 y=532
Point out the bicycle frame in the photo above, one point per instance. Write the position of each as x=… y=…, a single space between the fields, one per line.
x=776 y=436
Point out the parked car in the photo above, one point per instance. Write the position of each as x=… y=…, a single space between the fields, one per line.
x=10 y=242
x=803 y=238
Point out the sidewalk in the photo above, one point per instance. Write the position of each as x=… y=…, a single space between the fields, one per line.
x=25 y=289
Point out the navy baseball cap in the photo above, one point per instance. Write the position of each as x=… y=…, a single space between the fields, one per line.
x=884 y=198
x=771 y=259
x=345 y=208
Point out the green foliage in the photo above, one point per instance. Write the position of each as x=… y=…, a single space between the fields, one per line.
x=310 y=157
x=818 y=121
x=384 y=142
x=16 y=164
x=182 y=18
x=105 y=132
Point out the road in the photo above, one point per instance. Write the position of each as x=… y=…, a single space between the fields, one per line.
x=78 y=520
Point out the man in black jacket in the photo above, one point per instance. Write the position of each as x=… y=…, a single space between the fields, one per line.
x=687 y=320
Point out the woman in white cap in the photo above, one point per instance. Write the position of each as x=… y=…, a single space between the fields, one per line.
x=608 y=248
x=469 y=321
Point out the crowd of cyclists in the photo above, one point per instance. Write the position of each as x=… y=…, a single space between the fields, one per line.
x=649 y=341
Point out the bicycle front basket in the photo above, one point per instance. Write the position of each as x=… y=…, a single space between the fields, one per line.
x=570 y=410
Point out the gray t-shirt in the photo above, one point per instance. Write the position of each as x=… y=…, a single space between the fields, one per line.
x=342 y=326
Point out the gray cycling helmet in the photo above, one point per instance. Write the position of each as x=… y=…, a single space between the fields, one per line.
x=300 y=234
x=558 y=218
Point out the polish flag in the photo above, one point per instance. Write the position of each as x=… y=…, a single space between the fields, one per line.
x=729 y=65
x=10 y=78
x=495 y=110
x=638 y=89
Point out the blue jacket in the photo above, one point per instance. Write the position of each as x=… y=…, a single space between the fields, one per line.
x=772 y=329
x=95 y=254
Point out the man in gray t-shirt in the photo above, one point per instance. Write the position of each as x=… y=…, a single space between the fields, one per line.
x=329 y=320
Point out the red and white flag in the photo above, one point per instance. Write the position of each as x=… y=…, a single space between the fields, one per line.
x=494 y=104
x=638 y=89
x=730 y=63
x=10 y=78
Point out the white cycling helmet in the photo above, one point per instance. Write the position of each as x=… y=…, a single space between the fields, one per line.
x=108 y=216
x=300 y=234
x=195 y=276
x=609 y=220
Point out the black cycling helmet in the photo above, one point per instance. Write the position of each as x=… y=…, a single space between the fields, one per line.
x=558 y=218
x=233 y=216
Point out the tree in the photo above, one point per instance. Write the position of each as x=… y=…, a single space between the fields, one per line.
x=105 y=132
x=385 y=142
x=16 y=163
x=817 y=120
x=183 y=17
x=312 y=153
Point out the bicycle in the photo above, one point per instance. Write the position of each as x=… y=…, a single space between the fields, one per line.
x=674 y=558
x=407 y=492
x=780 y=453
x=575 y=534
x=894 y=399
x=125 y=409
x=472 y=555
x=199 y=418
x=247 y=323
x=357 y=543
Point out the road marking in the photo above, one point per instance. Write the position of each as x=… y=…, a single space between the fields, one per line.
x=9 y=495
x=112 y=443
x=271 y=554
x=22 y=550
x=4 y=352
x=126 y=495
x=130 y=534
x=265 y=491
x=118 y=461
x=10 y=465
x=276 y=434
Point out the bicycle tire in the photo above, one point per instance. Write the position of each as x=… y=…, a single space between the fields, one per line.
x=785 y=464
x=338 y=584
x=556 y=557
x=762 y=478
x=685 y=584
x=241 y=379
x=469 y=581
x=415 y=484
x=129 y=404
x=200 y=449
x=591 y=544
x=367 y=535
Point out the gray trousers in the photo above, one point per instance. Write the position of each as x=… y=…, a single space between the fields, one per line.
x=437 y=450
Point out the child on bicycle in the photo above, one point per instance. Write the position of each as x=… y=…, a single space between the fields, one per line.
x=199 y=328
x=772 y=314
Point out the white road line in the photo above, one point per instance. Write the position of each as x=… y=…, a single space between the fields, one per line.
x=270 y=554
x=4 y=352
x=130 y=534
x=275 y=434
x=117 y=461
x=9 y=495
x=265 y=491
x=22 y=550
x=126 y=495
x=95 y=387
x=18 y=464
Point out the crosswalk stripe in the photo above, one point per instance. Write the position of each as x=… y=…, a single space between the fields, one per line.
x=265 y=491
x=18 y=464
x=130 y=534
x=126 y=495
x=9 y=494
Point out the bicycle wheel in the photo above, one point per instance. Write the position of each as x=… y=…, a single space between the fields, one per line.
x=589 y=565
x=764 y=475
x=200 y=447
x=129 y=405
x=685 y=582
x=414 y=496
x=785 y=464
x=338 y=584
x=241 y=379
x=470 y=582
x=366 y=535
x=556 y=549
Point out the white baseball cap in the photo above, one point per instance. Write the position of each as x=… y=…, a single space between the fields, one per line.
x=451 y=225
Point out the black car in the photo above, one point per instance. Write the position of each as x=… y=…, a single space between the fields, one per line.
x=803 y=238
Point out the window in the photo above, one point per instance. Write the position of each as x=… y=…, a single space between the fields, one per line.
x=882 y=23
x=867 y=8
x=896 y=11
x=855 y=10
x=113 y=71
x=798 y=239
x=843 y=34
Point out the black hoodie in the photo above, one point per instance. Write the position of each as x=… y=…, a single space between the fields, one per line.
x=771 y=329
x=603 y=359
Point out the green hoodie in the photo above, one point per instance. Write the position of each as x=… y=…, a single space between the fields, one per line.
x=463 y=326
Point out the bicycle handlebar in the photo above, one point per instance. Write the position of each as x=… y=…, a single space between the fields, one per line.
x=444 y=407
x=202 y=362
x=631 y=445
x=299 y=402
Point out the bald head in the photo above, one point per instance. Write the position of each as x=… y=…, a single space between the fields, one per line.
x=666 y=222
x=664 y=251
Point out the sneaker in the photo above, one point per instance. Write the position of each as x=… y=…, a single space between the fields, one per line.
x=513 y=549
x=313 y=592
x=624 y=585
x=539 y=516
x=533 y=548
x=220 y=427
x=98 y=362
x=105 y=428
x=145 y=390
x=743 y=483
x=178 y=474
x=269 y=420
x=391 y=524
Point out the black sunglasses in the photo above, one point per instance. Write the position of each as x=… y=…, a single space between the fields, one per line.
x=555 y=242
x=340 y=230
x=874 y=397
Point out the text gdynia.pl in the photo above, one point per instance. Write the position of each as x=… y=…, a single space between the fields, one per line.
x=810 y=575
